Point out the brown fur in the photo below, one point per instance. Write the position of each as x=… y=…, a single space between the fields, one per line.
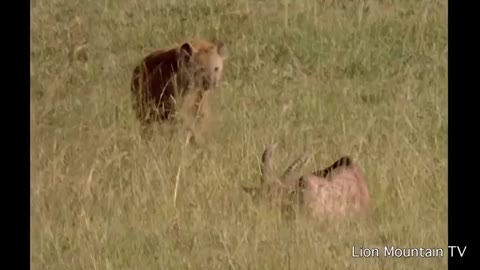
x=338 y=190
x=168 y=80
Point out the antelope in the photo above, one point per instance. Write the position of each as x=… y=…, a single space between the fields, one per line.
x=337 y=190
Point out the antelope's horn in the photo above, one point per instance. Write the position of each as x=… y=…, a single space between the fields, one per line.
x=291 y=171
x=267 y=172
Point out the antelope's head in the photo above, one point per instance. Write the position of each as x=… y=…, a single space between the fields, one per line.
x=335 y=190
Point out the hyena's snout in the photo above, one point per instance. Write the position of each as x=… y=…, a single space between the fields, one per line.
x=210 y=82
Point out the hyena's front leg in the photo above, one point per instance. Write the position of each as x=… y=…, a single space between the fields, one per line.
x=201 y=117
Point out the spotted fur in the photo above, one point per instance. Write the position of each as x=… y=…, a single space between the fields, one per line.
x=167 y=77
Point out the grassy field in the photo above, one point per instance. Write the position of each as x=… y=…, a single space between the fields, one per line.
x=363 y=78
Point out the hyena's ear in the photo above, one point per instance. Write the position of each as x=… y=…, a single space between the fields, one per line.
x=222 y=49
x=186 y=51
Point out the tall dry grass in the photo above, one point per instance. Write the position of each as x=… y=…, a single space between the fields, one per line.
x=364 y=78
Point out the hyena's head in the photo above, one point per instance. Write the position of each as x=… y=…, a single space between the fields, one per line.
x=205 y=60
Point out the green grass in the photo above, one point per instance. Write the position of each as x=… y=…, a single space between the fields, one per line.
x=364 y=78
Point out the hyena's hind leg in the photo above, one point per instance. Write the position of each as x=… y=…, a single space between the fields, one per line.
x=142 y=114
x=146 y=129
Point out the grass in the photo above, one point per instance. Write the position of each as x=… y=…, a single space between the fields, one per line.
x=364 y=78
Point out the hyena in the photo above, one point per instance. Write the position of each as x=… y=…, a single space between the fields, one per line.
x=178 y=78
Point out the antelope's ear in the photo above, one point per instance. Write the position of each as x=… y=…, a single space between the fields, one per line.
x=186 y=51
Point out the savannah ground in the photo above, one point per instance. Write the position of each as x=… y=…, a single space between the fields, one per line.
x=364 y=78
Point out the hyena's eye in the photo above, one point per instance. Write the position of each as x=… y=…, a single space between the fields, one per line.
x=216 y=69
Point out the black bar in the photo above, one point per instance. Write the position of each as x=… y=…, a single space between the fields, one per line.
x=15 y=122
x=462 y=126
